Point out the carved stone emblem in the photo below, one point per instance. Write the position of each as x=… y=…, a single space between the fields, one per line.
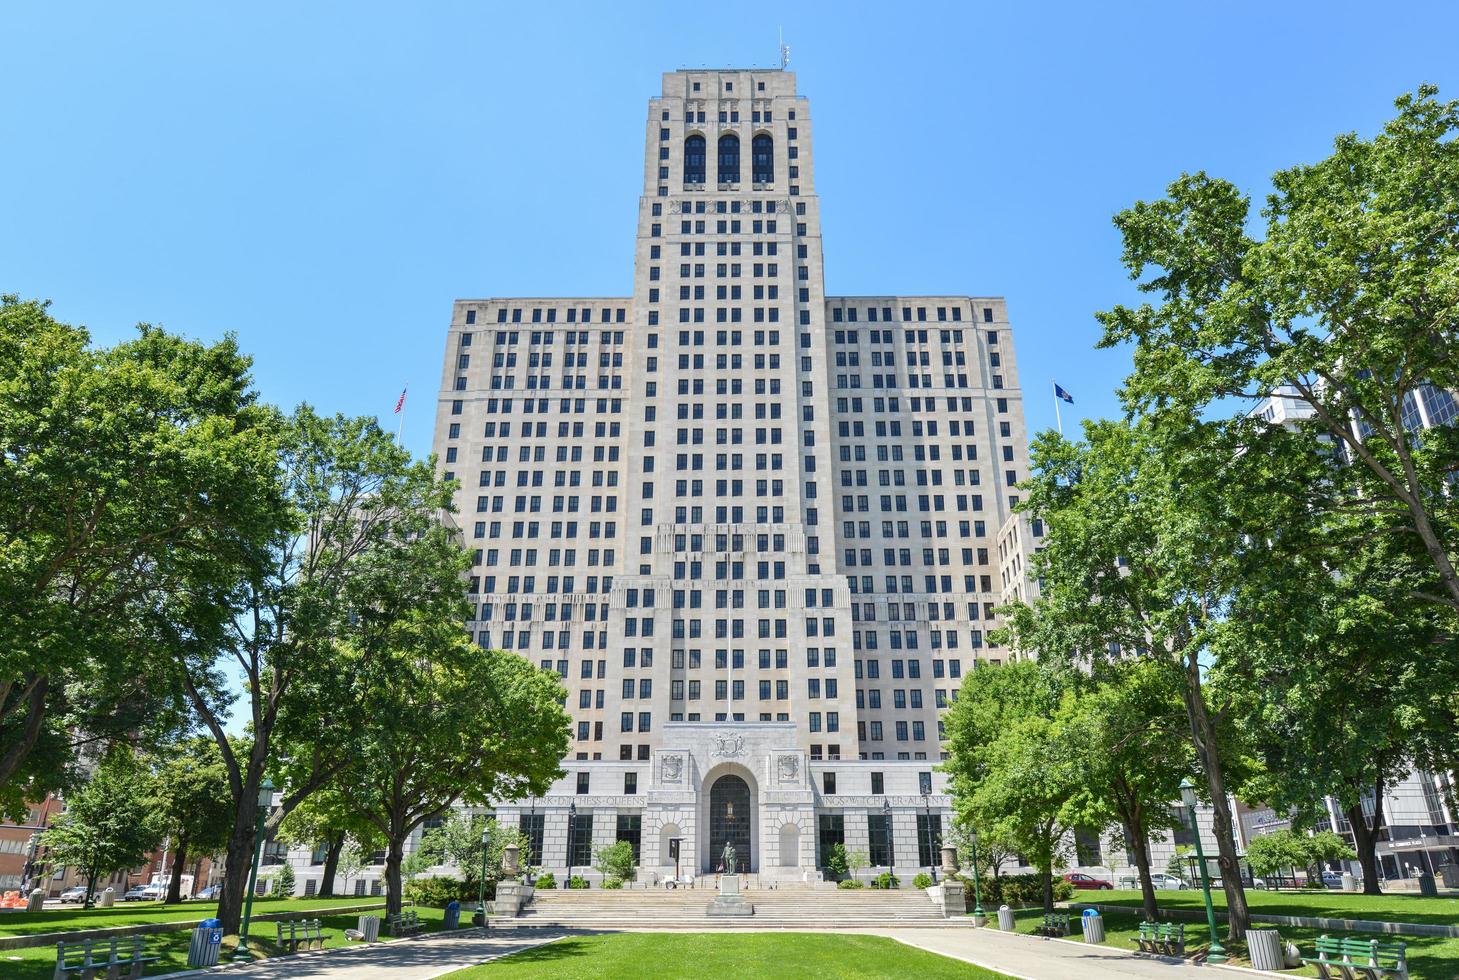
x=730 y=745
x=673 y=768
x=786 y=768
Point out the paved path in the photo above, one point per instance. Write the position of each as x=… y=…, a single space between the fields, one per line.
x=1032 y=958
x=410 y=959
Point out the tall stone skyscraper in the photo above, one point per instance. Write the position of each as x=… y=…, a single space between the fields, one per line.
x=743 y=519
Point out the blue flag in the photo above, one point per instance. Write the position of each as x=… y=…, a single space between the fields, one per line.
x=1061 y=393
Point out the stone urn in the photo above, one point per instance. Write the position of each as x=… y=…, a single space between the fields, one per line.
x=511 y=867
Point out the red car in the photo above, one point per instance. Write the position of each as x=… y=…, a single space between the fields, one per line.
x=1085 y=881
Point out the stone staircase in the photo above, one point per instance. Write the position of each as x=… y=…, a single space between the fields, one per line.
x=804 y=908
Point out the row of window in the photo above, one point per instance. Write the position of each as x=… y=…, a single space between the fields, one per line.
x=762 y=159
x=848 y=314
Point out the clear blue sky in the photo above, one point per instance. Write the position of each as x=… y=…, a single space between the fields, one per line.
x=324 y=179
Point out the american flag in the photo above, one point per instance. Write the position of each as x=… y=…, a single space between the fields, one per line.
x=400 y=402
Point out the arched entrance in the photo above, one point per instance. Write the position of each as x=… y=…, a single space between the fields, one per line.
x=730 y=815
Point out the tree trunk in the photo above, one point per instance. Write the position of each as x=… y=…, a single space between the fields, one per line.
x=393 y=857
x=240 y=859
x=331 y=865
x=1366 y=840
x=28 y=731
x=179 y=861
x=1141 y=846
x=1203 y=734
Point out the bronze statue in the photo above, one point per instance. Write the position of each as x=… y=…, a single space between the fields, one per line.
x=727 y=858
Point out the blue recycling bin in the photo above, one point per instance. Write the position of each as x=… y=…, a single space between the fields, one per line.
x=453 y=915
x=207 y=943
x=1093 y=925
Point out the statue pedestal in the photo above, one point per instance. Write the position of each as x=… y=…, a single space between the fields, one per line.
x=729 y=901
x=510 y=897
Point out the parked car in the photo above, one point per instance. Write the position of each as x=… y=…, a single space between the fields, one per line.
x=1080 y=880
x=1332 y=879
x=1167 y=882
x=143 y=893
x=76 y=893
x=212 y=893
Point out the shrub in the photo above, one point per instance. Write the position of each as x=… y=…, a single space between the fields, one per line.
x=1021 y=891
x=836 y=861
x=848 y=883
x=577 y=881
x=886 y=880
x=923 y=880
x=611 y=883
x=616 y=861
x=546 y=880
x=438 y=892
x=285 y=884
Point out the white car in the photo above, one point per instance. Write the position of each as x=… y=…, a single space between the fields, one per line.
x=76 y=893
x=1165 y=882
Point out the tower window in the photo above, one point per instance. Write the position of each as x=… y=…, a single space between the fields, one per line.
x=694 y=160
x=762 y=158
x=729 y=159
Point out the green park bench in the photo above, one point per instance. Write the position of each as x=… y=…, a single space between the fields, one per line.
x=1161 y=937
x=406 y=923
x=1351 y=958
x=108 y=958
x=297 y=934
x=1055 y=924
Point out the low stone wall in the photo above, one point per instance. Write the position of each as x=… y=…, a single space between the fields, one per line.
x=179 y=925
x=1300 y=921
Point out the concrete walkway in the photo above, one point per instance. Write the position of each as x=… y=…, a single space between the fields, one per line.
x=408 y=959
x=1033 y=958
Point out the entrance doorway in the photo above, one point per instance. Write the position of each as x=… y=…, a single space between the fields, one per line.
x=729 y=821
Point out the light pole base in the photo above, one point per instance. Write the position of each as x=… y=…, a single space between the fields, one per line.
x=979 y=920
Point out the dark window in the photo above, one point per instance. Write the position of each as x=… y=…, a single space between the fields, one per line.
x=877 y=787
x=828 y=782
x=729 y=159
x=582 y=783
x=531 y=826
x=581 y=846
x=762 y=158
x=630 y=829
x=694 y=160
x=929 y=839
x=832 y=832
x=878 y=832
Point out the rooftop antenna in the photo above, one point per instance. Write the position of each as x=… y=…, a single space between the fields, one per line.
x=784 y=51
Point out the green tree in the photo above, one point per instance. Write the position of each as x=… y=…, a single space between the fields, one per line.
x=110 y=823
x=458 y=841
x=1144 y=558
x=324 y=819
x=1129 y=730
x=285 y=881
x=1014 y=771
x=1347 y=300
x=449 y=721
x=615 y=862
x=193 y=803
x=129 y=474
x=1275 y=852
x=361 y=557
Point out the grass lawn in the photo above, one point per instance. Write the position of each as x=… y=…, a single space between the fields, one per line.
x=140 y=913
x=1341 y=905
x=1429 y=958
x=38 y=963
x=737 y=954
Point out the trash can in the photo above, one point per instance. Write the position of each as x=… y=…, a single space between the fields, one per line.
x=106 y=898
x=1005 y=918
x=37 y=901
x=207 y=943
x=1426 y=885
x=1093 y=925
x=369 y=928
x=1265 y=947
x=1349 y=883
x=452 y=919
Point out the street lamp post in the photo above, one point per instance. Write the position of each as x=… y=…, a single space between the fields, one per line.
x=265 y=798
x=481 y=897
x=572 y=815
x=977 y=894
x=886 y=809
x=1216 y=953
x=931 y=848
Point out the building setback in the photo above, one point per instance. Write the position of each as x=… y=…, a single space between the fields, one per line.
x=752 y=526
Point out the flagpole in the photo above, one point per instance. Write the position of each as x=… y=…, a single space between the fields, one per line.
x=1057 y=417
x=400 y=411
